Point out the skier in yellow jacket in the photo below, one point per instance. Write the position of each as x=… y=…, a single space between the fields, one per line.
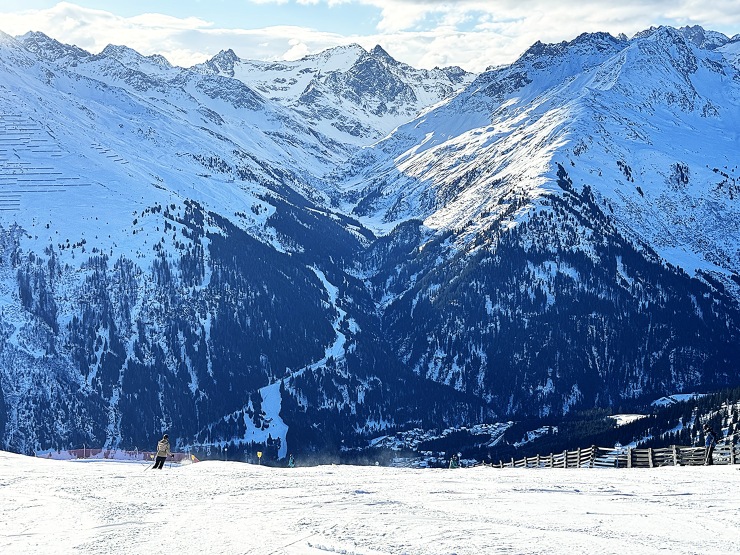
x=163 y=451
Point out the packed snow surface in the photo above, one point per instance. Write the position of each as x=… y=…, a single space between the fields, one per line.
x=230 y=507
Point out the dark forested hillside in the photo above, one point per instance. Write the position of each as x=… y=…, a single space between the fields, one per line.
x=556 y=314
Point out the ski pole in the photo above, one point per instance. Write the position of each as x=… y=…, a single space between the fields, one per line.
x=148 y=467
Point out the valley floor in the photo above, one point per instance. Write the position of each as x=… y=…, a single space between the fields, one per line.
x=234 y=508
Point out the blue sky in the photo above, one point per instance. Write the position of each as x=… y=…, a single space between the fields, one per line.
x=347 y=17
x=473 y=34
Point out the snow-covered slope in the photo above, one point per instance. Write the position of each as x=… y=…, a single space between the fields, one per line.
x=96 y=507
x=648 y=124
x=138 y=133
x=731 y=51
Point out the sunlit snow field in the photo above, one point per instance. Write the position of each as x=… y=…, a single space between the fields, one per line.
x=51 y=506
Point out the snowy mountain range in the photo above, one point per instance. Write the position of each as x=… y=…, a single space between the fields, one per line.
x=361 y=95
x=308 y=255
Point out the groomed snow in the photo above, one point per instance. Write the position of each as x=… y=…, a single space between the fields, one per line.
x=230 y=507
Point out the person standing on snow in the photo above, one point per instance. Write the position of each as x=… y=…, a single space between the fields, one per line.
x=291 y=462
x=710 y=440
x=163 y=451
x=454 y=462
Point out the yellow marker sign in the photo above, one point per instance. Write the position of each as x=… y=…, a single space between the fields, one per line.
x=259 y=454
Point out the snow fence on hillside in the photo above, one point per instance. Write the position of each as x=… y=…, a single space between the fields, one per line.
x=609 y=457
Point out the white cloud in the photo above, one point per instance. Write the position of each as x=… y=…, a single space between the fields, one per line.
x=555 y=16
x=471 y=33
x=297 y=50
x=93 y=30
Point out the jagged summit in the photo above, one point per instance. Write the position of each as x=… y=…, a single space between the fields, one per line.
x=50 y=49
x=376 y=93
x=709 y=40
x=223 y=63
x=379 y=52
x=585 y=41
x=697 y=35
x=131 y=58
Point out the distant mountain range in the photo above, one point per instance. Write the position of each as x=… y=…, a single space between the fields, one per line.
x=307 y=256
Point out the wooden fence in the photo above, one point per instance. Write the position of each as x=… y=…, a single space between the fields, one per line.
x=605 y=457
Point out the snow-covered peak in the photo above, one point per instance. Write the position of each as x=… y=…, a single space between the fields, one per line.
x=222 y=63
x=379 y=52
x=339 y=58
x=50 y=49
x=227 y=63
x=14 y=55
x=134 y=60
x=702 y=38
x=159 y=124
x=667 y=69
x=645 y=32
x=583 y=44
x=542 y=67
x=697 y=35
x=8 y=42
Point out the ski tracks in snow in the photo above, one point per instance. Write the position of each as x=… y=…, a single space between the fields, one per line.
x=218 y=507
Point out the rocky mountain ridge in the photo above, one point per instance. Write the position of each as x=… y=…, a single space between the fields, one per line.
x=352 y=95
